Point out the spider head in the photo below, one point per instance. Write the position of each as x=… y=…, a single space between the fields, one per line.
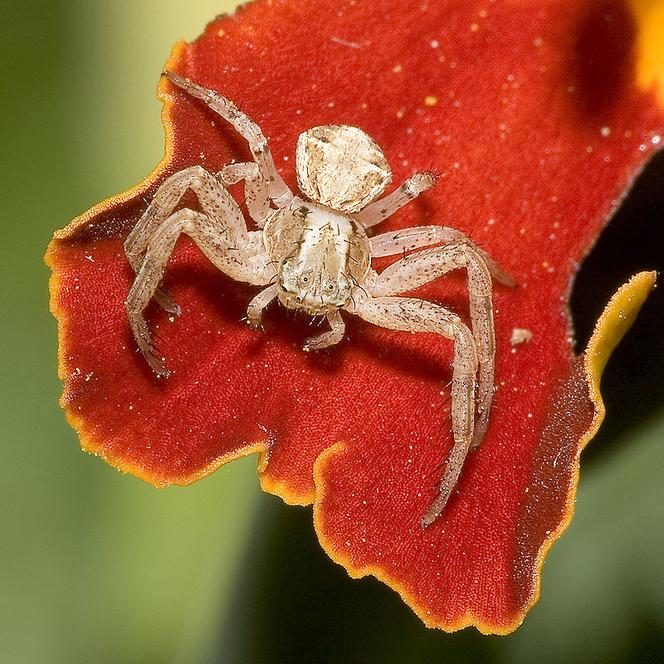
x=341 y=167
x=311 y=290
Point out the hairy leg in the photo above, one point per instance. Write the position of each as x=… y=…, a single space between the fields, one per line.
x=245 y=262
x=255 y=189
x=381 y=209
x=330 y=338
x=408 y=239
x=256 y=306
x=146 y=283
x=430 y=264
x=247 y=128
x=413 y=315
x=215 y=201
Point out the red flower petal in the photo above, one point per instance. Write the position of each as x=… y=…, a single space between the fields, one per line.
x=539 y=115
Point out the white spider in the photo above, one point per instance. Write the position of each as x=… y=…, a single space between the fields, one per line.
x=313 y=254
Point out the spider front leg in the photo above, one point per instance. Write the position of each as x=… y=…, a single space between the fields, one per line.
x=147 y=281
x=234 y=251
x=330 y=338
x=412 y=315
x=408 y=239
x=213 y=197
x=429 y=264
x=215 y=202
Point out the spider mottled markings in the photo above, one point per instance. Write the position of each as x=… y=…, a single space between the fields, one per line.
x=312 y=252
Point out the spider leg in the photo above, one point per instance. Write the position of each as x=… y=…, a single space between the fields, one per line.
x=245 y=262
x=214 y=200
x=247 y=128
x=381 y=209
x=408 y=239
x=256 y=306
x=413 y=315
x=145 y=285
x=329 y=338
x=430 y=264
x=255 y=188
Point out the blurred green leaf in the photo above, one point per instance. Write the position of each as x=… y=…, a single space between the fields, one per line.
x=96 y=566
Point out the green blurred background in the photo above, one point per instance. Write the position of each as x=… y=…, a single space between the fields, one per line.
x=98 y=567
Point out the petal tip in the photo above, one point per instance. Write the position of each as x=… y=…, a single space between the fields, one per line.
x=379 y=572
x=614 y=322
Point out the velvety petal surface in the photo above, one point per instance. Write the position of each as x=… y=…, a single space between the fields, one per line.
x=538 y=115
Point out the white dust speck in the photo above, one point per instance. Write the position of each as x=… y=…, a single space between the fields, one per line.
x=520 y=335
x=344 y=42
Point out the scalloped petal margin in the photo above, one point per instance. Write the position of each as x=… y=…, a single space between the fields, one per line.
x=616 y=319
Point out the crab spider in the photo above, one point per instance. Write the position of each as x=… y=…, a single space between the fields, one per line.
x=312 y=253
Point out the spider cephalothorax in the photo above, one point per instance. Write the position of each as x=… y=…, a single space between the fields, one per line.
x=312 y=253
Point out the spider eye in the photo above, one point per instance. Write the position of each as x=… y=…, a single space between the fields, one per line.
x=330 y=287
x=305 y=280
